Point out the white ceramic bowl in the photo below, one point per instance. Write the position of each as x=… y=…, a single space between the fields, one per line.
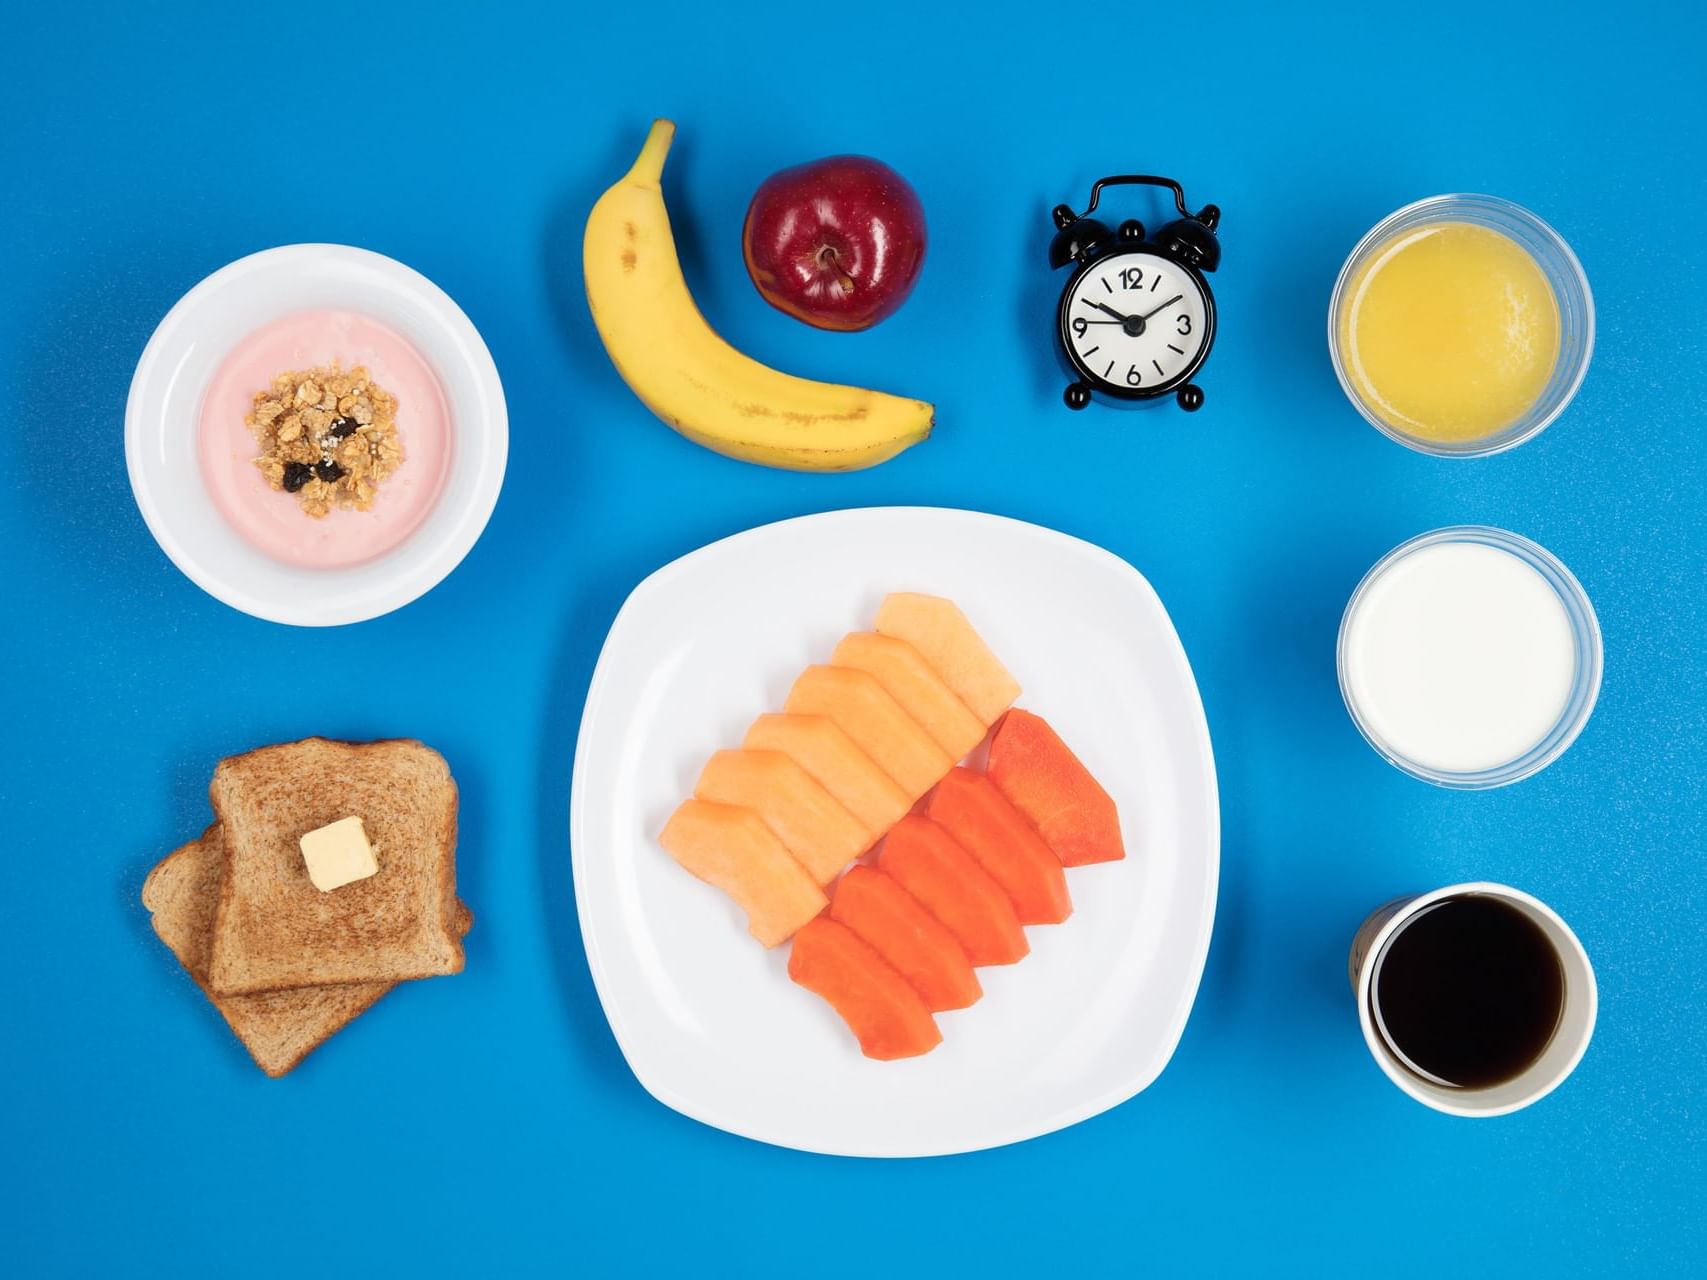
x=162 y=418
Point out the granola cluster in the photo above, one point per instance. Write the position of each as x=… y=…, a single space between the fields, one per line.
x=328 y=436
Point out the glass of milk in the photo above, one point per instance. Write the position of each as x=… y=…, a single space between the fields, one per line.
x=1469 y=657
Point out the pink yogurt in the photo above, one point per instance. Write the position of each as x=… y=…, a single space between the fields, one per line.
x=272 y=520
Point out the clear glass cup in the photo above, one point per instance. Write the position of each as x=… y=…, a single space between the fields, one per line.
x=1585 y=684
x=1570 y=288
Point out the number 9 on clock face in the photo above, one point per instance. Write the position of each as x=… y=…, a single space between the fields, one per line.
x=1136 y=324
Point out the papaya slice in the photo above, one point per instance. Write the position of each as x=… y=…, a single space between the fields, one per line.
x=948 y=882
x=942 y=635
x=973 y=810
x=884 y=1013
x=836 y=763
x=822 y=835
x=916 y=944
x=910 y=680
x=875 y=721
x=1049 y=785
x=732 y=849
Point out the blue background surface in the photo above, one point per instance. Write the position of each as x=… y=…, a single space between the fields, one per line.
x=489 y=1121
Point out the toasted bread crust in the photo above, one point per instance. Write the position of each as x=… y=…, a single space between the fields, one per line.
x=272 y=930
x=279 y=1029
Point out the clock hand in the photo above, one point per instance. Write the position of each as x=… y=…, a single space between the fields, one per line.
x=1170 y=302
x=1103 y=306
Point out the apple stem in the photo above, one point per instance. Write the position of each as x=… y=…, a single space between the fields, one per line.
x=648 y=168
x=827 y=257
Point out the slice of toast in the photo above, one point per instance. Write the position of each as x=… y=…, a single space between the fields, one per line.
x=273 y=929
x=279 y=1028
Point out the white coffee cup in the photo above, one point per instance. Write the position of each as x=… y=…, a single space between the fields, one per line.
x=1546 y=1073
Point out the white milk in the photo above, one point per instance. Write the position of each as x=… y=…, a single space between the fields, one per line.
x=1459 y=657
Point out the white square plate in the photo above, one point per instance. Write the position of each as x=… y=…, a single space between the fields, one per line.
x=709 y=1021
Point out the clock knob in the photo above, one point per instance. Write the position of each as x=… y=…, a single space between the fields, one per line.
x=1131 y=229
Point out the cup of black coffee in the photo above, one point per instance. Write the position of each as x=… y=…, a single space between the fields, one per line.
x=1475 y=999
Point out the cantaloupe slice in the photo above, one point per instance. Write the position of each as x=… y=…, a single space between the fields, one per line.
x=946 y=640
x=973 y=810
x=836 y=763
x=909 y=679
x=732 y=849
x=877 y=1004
x=822 y=835
x=949 y=883
x=915 y=943
x=1049 y=785
x=875 y=721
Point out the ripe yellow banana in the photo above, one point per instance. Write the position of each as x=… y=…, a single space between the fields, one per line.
x=694 y=380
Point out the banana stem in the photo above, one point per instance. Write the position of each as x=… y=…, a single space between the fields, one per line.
x=649 y=165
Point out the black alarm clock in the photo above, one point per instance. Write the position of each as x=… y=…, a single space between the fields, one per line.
x=1136 y=319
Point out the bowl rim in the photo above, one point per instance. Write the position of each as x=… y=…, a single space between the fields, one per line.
x=480 y=443
x=1445 y=204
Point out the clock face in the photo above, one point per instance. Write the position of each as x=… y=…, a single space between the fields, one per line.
x=1136 y=323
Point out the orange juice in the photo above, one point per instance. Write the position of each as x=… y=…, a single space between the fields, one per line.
x=1450 y=331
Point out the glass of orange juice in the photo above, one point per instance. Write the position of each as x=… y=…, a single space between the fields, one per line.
x=1461 y=325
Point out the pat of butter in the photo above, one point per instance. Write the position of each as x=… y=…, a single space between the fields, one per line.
x=338 y=854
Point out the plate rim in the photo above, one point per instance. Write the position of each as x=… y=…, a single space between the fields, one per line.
x=1067 y=1117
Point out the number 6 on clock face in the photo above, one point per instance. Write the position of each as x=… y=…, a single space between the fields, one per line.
x=1136 y=324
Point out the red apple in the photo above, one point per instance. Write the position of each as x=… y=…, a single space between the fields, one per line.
x=837 y=243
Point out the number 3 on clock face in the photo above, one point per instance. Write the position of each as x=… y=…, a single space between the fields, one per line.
x=1135 y=324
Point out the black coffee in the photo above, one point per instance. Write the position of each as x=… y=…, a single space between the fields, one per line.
x=1469 y=992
